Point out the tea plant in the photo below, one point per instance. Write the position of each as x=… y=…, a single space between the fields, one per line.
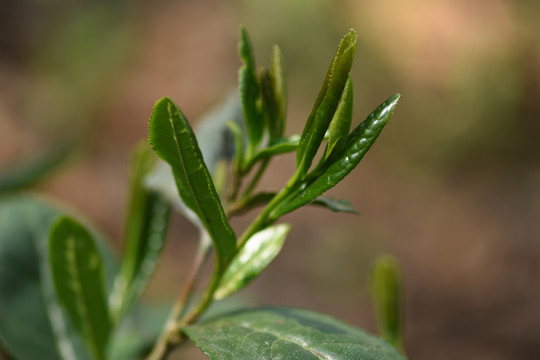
x=86 y=306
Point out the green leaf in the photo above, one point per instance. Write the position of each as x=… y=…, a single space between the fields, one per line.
x=250 y=94
x=341 y=205
x=358 y=143
x=326 y=103
x=387 y=296
x=144 y=233
x=238 y=137
x=251 y=202
x=78 y=277
x=33 y=324
x=274 y=94
x=280 y=146
x=252 y=259
x=283 y=333
x=174 y=141
x=341 y=123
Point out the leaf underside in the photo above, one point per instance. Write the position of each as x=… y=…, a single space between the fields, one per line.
x=284 y=333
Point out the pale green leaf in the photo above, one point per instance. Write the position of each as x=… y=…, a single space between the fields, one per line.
x=252 y=259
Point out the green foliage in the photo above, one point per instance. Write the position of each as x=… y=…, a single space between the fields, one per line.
x=84 y=304
x=251 y=260
x=78 y=277
x=285 y=333
x=173 y=140
x=144 y=234
x=387 y=293
x=34 y=324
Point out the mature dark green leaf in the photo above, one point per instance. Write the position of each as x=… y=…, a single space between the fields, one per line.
x=144 y=233
x=341 y=205
x=78 y=277
x=28 y=171
x=26 y=331
x=387 y=296
x=358 y=143
x=274 y=94
x=249 y=93
x=326 y=103
x=252 y=259
x=33 y=324
x=283 y=333
x=341 y=123
x=173 y=140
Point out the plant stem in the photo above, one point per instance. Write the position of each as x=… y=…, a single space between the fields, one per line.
x=170 y=334
x=255 y=180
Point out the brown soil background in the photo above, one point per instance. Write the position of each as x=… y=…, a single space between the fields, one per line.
x=452 y=187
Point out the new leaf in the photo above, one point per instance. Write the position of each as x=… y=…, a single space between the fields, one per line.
x=326 y=103
x=358 y=143
x=250 y=94
x=173 y=140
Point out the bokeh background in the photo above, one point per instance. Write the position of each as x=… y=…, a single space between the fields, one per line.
x=451 y=188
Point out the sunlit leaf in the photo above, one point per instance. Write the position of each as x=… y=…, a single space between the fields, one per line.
x=78 y=277
x=173 y=140
x=283 y=333
x=252 y=259
x=326 y=103
x=358 y=143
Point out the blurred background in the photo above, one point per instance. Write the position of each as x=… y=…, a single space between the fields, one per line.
x=451 y=188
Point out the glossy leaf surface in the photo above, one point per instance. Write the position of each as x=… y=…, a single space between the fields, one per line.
x=249 y=93
x=252 y=259
x=358 y=143
x=144 y=233
x=326 y=103
x=78 y=277
x=173 y=140
x=283 y=333
x=341 y=123
x=387 y=296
